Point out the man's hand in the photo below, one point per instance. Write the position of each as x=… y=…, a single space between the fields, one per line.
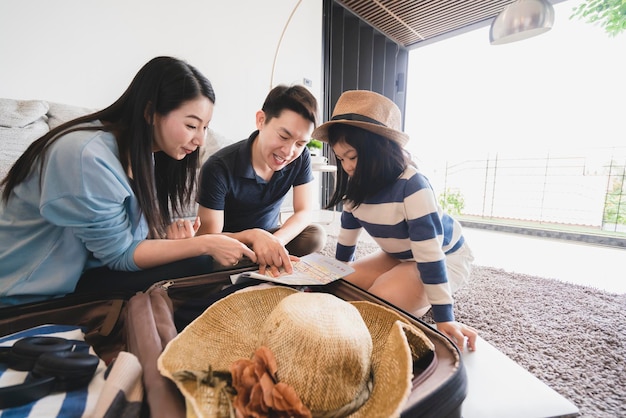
x=273 y=270
x=271 y=254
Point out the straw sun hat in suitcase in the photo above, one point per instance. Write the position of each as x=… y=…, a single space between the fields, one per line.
x=277 y=352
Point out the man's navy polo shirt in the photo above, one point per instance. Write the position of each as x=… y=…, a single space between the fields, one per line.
x=228 y=182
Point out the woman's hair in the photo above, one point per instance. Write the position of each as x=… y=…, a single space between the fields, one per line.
x=295 y=98
x=380 y=162
x=163 y=188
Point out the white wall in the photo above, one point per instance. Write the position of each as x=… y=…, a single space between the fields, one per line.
x=86 y=52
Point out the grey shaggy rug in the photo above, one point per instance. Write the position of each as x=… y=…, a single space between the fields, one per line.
x=570 y=337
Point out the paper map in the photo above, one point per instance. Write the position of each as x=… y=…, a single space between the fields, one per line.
x=312 y=269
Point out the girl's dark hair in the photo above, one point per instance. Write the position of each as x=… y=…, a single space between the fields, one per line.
x=163 y=188
x=295 y=98
x=380 y=162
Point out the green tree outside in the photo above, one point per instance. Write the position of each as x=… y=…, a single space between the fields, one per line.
x=452 y=202
x=615 y=201
x=610 y=14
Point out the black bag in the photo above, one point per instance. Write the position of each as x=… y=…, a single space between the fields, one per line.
x=438 y=390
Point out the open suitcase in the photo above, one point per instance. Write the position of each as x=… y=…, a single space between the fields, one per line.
x=439 y=392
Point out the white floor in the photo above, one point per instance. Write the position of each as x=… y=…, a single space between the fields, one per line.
x=585 y=264
x=590 y=265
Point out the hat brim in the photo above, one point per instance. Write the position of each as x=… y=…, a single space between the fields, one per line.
x=321 y=132
x=228 y=331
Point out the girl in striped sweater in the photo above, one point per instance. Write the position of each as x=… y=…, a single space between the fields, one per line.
x=423 y=257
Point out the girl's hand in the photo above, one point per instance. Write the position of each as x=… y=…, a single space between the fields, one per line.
x=182 y=228
x=458 y=333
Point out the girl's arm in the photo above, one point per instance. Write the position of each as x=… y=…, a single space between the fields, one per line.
x=348 y=237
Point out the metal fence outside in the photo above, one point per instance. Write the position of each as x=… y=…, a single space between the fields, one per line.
x=583 y=188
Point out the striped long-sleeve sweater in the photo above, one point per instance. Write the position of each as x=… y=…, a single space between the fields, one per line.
x=407 y=223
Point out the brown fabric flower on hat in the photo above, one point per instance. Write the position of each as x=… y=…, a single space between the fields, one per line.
x=258 y=393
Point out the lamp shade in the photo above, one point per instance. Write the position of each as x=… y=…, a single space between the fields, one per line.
x=521 y=20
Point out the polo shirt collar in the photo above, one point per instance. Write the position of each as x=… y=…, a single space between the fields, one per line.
x=244 y=160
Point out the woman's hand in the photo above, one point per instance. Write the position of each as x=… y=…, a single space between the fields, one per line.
x=182 y=228
x=458 y=333
x=225 y=250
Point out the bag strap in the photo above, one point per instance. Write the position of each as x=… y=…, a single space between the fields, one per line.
x=112 y=317
x=149 y=327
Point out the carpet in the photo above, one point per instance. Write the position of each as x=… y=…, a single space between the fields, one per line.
x=570 y=337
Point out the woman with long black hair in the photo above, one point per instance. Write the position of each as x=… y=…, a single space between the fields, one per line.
x=99 y=198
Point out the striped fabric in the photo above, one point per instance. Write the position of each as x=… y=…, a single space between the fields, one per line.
x=77 y=403
x=407 y=223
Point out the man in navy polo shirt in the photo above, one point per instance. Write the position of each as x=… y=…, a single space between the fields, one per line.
x=242 y=186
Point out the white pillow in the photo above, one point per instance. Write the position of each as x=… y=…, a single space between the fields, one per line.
x=213 y=143
x=20 y=113
x=14 y=142
x=60 y=113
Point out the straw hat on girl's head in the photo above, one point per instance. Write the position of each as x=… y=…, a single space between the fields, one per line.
x=294 y=354
x=366 y=110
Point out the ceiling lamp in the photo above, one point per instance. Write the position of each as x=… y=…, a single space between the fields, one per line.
x=521 y=20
